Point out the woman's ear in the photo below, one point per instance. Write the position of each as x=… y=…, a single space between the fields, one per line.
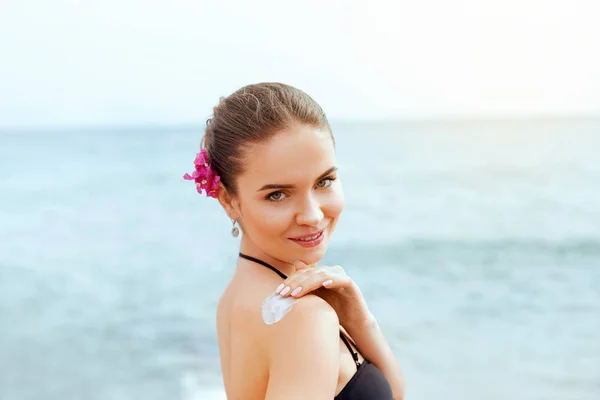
x=228 y=202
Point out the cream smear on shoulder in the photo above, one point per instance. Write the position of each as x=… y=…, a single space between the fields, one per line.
x=275 y=307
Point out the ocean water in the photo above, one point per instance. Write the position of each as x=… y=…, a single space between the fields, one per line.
x=476 y=244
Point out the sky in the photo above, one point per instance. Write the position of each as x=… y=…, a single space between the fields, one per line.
x=129 y=62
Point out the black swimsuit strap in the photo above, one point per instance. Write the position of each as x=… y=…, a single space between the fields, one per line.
x=354 y=354
x=261 y=262
x=282 y=275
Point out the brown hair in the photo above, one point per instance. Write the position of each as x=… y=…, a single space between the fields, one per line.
x=251 y=115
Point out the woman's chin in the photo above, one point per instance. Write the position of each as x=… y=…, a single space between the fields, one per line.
x=314 y=255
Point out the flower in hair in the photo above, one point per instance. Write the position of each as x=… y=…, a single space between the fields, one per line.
x=206 y=179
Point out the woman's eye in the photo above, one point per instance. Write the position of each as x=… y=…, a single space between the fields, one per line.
x=276 y=196
x=323 y=183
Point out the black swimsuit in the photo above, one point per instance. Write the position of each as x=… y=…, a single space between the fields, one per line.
x=368 y=383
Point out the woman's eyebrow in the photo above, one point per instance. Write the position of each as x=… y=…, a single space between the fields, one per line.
x=329 y=171
x=272 y=186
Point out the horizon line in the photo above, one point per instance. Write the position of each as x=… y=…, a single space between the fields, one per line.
x=181 y=126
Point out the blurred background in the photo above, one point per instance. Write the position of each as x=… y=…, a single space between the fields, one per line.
x=468 y=138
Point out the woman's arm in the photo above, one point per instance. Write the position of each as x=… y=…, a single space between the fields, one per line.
x=303 y=352
x=374 y=347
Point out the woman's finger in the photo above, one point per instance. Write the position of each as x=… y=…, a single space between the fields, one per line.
x=312 y=284
x=291 y=282
x=301 y=267
x=308 y=282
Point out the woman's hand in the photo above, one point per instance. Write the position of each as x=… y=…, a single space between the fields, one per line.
x=332 y=285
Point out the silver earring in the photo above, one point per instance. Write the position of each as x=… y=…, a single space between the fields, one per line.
x=235 y=230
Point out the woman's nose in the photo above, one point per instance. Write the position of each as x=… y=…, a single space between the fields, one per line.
x=311 y=214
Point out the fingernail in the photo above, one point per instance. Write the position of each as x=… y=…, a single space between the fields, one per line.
x=296 y=291
x=279 y=288
x=327 y=283
x=285 y=291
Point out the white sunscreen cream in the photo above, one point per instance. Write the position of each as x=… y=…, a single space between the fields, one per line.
x=275 y=307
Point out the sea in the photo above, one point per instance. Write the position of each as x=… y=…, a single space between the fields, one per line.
x=476 y=244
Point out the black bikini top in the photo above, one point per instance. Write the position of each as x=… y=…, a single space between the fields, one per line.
x=368 y=383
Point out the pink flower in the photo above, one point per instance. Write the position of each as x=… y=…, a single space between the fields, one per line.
x=206 y=179
x=201 y=158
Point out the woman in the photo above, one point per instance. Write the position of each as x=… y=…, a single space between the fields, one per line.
x=287 y=327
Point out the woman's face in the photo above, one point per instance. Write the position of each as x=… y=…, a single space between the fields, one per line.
x=289 y=197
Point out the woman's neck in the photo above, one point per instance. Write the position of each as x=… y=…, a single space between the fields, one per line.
x=250 y=249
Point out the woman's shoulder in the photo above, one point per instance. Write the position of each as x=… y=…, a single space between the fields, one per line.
x=309 y=314
x=312 y=306
x=245 y=309
x=304 y=347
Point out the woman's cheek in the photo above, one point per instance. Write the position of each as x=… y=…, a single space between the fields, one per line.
x=337 y=201
x=274 y=218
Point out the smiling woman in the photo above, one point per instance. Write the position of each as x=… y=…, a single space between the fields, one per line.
x=269 y=158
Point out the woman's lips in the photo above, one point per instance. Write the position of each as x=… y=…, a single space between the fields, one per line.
x=310 y=241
